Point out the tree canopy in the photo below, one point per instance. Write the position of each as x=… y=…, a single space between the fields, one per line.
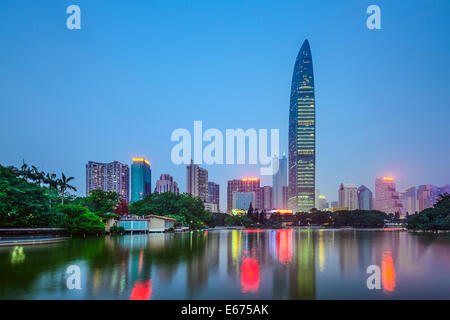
x=187 y=210
x=436 y=218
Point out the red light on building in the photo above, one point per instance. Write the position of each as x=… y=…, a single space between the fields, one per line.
x=249 y=275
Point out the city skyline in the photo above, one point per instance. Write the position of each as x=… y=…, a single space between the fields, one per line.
x=377 y=111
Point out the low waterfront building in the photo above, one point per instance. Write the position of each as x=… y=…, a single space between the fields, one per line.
x=134 y=224
x=160 y=223
x=150 y=223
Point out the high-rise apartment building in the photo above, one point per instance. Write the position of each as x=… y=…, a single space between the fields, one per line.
x=166 y=184
x=267 y=198
x=323 y=204
x=141 y=179
x=427 y=195
x=113 y=176
x=214 y=194
x=197 y=181
x=316 y=198
x=334 y=204
x=348 y=196
x=365 y=198
x=386 y=197
x=244 y=185
x=302 y=134
x=408 y=197
x=284 y=204
x=279 y=181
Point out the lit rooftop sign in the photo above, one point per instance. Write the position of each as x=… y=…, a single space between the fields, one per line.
x=250 y=179
x=141 y=160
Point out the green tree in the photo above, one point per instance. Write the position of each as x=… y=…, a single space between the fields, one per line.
x=358 y=218
x=188 y=210
x=52 y=182
x=100 y=202
x=433 y=219
x=239 y=220
x=64 y=185
x=21 y=202
x=86 y=223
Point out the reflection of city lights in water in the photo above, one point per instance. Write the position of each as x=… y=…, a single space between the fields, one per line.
x=284 y=245
x=388 y=272
x=249 y=275
x=141 y=258
x=321 y=252
x=142 y=290
x=253 y=230
x=234 y=244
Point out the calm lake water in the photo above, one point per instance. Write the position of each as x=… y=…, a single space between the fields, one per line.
x=233 y=264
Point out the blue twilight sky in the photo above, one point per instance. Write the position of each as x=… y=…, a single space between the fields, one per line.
x=137 y=70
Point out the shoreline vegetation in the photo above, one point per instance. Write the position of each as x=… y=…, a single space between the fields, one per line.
x=30 y=198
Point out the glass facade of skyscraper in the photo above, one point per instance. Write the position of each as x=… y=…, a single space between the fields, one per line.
x=302 y=134
x=141 y=179
x=279 y=182
x=365 y=198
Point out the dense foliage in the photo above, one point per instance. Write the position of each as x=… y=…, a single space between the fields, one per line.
x=30 y=198
x=21 y=202
x=86 y=223
x=436 y=218
x=313 y=218
x=358 y=218
x=187 y=210
x=99 y=201
x=239 y=220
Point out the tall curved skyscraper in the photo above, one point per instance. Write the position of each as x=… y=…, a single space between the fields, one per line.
x=302 y=134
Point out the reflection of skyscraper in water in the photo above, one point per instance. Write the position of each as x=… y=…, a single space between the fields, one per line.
x=348 y=252
x=306 y=268
x=197 y=265
x=129 y=276
x=294 y=274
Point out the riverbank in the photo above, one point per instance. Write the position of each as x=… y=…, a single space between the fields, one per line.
x=30 y=241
